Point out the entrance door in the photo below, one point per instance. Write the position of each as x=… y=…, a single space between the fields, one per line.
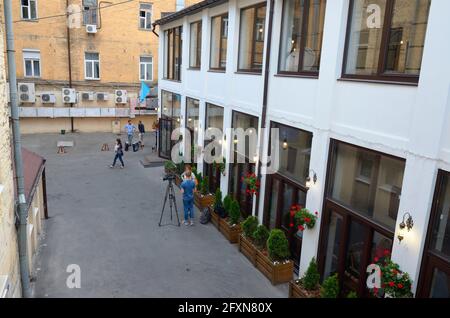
x=281 y=194
x=350 y=245
x=165 y=140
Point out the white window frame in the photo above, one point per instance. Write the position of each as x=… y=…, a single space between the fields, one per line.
x=146 y=65
x=32 y=56
x=92 y=62
x=28 y=7
x=145 y=18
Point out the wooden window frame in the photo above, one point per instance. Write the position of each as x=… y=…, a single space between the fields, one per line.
x=171 y=73
x=255 y=8
x=305 y=20
x=222 y=17
x=198 y=50
x=381 y=76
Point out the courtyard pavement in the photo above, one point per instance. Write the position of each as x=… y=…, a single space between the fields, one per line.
x=106 y=221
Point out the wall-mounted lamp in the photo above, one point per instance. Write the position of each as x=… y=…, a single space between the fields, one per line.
x=309 y=181
x=406 y=226
x=235 y=140
x=285 y=143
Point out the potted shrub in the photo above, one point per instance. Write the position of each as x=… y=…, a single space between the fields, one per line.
x=217 y=208
x=261 y=235
x=307 y=286
x=246 y=246
x=330 y=287
x=352 y=294
x=274 y=263
x=230 y=226
x=226 y=206
x=202 y=198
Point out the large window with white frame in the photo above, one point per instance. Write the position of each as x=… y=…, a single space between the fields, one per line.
x=251 y=38
x=146 y=68
x=145 y=16
x=385 y=39
x=301 y=37
x=32 y=63
x=90 y=8
x=91 y=66
x=219 y=42
x=28 y=9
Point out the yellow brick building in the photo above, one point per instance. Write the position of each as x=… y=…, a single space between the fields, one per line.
x=101 y=49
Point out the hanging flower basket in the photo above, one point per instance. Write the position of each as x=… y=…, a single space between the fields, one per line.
x=394 y=282
x=252 y=183
x=302 y=218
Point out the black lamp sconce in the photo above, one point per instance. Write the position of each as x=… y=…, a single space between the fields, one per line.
x=309 y=181
x=407 y=224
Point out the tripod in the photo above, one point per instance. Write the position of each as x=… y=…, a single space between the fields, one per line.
x=170 y=194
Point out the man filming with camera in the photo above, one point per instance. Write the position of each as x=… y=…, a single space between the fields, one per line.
x=188 y=187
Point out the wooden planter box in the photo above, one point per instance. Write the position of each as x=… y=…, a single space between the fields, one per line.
x=231 y=233
x=203 y=201
x=277 y=274
x=215 y=218
x=247 y=248
x=296 y=291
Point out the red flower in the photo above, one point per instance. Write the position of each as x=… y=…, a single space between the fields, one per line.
x=301 y=228
x=387 y=252
x=399 y=285
x=391 y=284
x=376 y=259
x=307 y=220
x=375 y=291
x=291 y=225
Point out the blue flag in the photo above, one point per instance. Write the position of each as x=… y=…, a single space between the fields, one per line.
x=145 y=90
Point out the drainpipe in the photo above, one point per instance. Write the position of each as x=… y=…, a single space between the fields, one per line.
x=154 y=30
x=69 y=59
x=266 y=90
x=21 y=206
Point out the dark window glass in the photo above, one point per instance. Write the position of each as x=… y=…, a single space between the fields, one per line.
x=219 y=42
x=195 y=45
x=441 y=228
x=173 y=53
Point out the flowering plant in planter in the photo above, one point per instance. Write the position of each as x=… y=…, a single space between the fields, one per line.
x=394 y=282
x=302 y=217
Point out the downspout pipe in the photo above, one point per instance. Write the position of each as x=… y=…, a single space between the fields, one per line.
x=265 y=90
x=69 y=61
x=21 y=205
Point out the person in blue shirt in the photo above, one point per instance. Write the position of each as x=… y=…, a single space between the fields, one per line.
x=188 y=187
x=130 y=128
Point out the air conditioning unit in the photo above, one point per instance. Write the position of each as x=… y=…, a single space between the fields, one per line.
x=102 y=96
x=91 y=28
x=89 y=96
x=4 y=287
x=27 y=92
x=69 y=95
x=48 y=98
x=121 y=96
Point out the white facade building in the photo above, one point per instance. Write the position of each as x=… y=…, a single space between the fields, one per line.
x=367 y=113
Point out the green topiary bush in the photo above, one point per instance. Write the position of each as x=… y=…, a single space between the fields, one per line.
x=235 y=212
x=227 y=203
x=278 y=245
x=261 y=235
x=170 y=166
x=310 y=280
x=249 y=226
x=352 y=294
x=330 y=287
x=218 y=204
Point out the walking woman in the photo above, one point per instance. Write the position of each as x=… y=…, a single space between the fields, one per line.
x=118 y=149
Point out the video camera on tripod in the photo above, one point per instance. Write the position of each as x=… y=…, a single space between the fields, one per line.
x=170 y=195
x=169 y=177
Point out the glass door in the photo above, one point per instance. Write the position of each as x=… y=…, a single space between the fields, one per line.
x=165 y=140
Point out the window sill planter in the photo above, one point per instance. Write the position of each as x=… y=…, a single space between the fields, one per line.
x=297 y=291
x=203 y=201
x=231 y=232
x=276 y=272
x=247 y=248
